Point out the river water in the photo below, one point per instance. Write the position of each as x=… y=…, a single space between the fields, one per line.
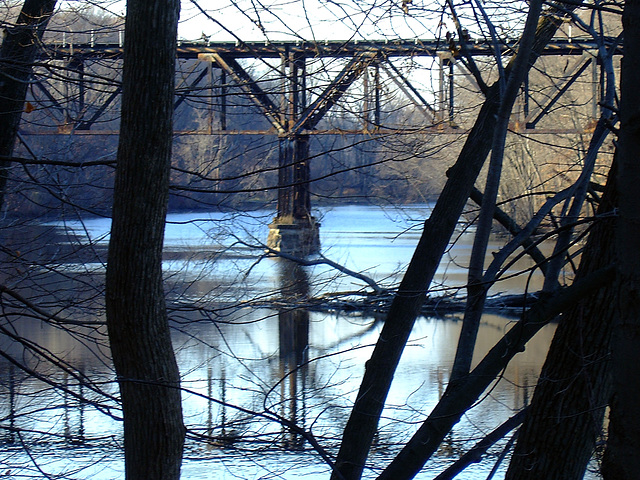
x=246 y=364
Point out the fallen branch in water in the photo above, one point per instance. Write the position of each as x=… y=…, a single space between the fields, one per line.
x=318 y=259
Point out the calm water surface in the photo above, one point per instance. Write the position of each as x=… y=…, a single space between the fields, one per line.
x=289 y=363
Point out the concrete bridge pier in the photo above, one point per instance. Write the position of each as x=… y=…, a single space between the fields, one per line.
x=295 y=236
x=294 y=230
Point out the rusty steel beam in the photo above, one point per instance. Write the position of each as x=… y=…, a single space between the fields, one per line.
x=431 y=130
x=86 y=124
x=54 y=102
x=183 y=93
x=225 y=56
x=303 y=119
x=329 y=48
x=314 y=113
x=574 y=75
x=248 y=85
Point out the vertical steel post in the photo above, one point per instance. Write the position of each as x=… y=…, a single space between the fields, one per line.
x=377 y=96
x=595 y=98
x=451 y=92
x=301 y=172
x=81 y=90
x=365 y=100
x=285 y=179
x=211 y=96
x=223 y=100
x=286 y=147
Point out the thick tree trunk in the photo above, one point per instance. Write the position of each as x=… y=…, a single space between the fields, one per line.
x=564 y=420
x=136 y=313
x=379 y=370
x=17 y=54
x=621 y=457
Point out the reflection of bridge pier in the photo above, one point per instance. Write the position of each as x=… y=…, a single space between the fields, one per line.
x=293 y=328
x=11 y=439
x=74 y=431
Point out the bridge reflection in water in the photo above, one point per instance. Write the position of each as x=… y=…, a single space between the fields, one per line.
x=293 y=335
x=286 y=361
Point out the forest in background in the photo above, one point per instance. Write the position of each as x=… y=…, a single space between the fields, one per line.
x=404 y=165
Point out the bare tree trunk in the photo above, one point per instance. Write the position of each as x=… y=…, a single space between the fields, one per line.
x=17 y=54
x=460 y=396
x=136 y=312
x=565 y=417
x=478 y=288
x=621 y=457
x=380 y=368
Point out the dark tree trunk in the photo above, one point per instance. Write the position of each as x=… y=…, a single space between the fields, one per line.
x=17 y=54
x=564 y=420
x=136 y=312
x=478 y=286
x=379 y=371
x=460 y=396
x=621 y=457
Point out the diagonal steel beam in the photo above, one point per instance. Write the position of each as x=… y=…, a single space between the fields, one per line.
x=249 y=86
x=314 y=112
x=86 y=124
x=574 y=74
x=47 y=93
x=185 y=93
x=410 y=91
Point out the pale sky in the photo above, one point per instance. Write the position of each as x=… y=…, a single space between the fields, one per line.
x=260 y=20
x=305 y=19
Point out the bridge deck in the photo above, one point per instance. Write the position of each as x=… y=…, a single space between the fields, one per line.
x=329 y=48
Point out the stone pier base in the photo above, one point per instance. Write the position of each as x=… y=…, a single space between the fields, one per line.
x=294 y=236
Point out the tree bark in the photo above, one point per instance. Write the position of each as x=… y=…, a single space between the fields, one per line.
x=136 y=312
x=17 y=55
x=565 y=417
x=380 y=368
x=621 y=457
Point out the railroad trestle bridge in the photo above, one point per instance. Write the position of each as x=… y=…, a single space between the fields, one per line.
x=294 y=85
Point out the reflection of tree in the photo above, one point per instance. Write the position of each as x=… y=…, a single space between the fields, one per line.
x=227 y=428
x=11 y=438
x=74 y=409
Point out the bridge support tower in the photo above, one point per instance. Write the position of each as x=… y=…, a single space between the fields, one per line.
x=294 y=230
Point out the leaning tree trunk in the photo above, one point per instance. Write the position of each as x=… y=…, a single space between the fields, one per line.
x=17 y=54
x=565 y=417
x=136 y=312
x=621 y=457
x=380 y=368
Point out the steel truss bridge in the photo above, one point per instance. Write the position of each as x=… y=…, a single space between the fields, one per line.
x=294 y=85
